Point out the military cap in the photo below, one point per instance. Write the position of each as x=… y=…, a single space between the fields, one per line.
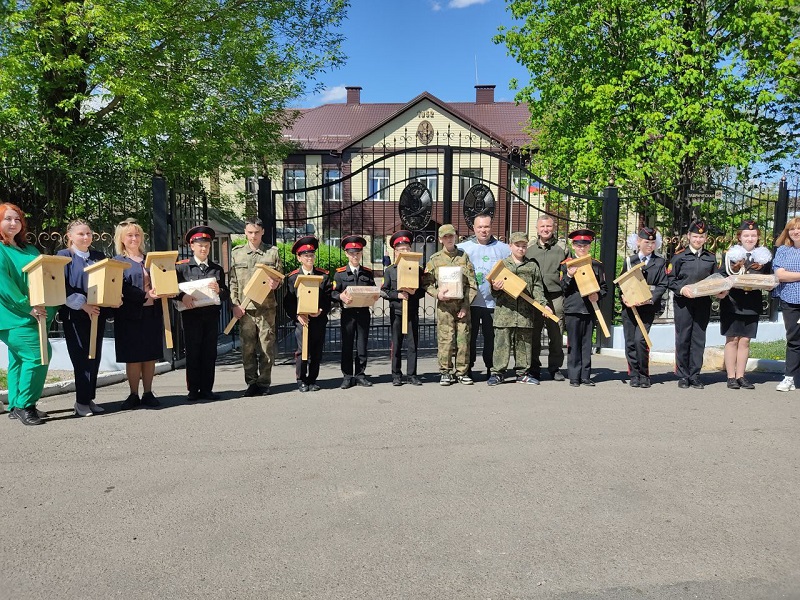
x=306 y=243
x=201 y=233
x=698 y=226
x=518 y=236
x=353 y=242
x=446 y=229
x=404 y=236
x=582 y=236
x=647 y=233
x=748 y=225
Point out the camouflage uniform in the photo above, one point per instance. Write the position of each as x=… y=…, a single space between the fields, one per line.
x=257 y=326
x=452 y=333
x=514 y=318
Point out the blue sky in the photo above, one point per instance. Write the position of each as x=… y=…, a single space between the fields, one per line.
x=398 y=49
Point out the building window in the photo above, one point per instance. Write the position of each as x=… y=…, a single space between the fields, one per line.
x=378 y=249
x=378 y=180
x=469 y=177
x=294 y=179
x=429 y=177
x=333 y=187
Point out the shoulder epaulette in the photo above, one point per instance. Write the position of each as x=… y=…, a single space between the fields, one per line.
x=321 y=270
x=294 y=272
x=599 y=262
x=563 y=262
x=681 y=251
x=341 y=269
x=365 y=268
x=185 y=261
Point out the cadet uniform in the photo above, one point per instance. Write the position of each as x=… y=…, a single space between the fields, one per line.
x=452 y=333
x=691 y=314
x=655 y=274
x=390 y=292
x=579 y=316
x=257 y=325
x=513 y=320
x=307 y=371
x=354 y=321
x=201 y=325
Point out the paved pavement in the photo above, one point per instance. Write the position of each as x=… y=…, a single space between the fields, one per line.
x=430 y=492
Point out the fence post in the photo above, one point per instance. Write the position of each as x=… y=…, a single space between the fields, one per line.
x=160 y=214
x=266 y=209
x=780 y=219
x=608 y=251
x=447 y=199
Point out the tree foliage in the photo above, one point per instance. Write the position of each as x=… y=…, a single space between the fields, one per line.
x=174 y=85
x=658 y=95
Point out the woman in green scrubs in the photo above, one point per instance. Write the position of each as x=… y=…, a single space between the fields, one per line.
x=19 y=329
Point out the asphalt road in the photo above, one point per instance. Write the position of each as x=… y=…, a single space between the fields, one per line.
x=412 y=492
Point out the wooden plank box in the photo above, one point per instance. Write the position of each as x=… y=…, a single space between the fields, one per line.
x=307 y=287
x=105 y=282
x=46 y=285
x=584 y=276
x=163 y=276
x=257 y=289
x=633 y=285
x=514 y=284
x=408 y=270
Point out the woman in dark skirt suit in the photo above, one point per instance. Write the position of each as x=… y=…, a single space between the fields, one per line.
x=138 y=324
x=76 y=316
x=739 y=310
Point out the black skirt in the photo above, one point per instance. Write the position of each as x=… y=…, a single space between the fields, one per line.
x=733 y=325
x=140 y=340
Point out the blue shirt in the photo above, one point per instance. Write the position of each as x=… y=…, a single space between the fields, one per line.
x=483 y=258
x=787 y=257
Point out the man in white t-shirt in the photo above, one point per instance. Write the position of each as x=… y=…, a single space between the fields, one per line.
x=484 y=251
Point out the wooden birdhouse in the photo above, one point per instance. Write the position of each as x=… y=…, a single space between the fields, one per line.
x=584 y=276
x=634 y=286
x=257 y=288
x=513 y=284
x=46 y=285
x=307 y=287
x=163 y=276
x=105 y=282
x=408 y=270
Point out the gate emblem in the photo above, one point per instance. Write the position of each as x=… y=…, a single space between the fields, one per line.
x=478 y=201
x=416 y=206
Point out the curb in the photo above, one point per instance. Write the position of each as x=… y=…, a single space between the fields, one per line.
x=761 y=365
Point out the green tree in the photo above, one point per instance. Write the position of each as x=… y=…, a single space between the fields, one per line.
x=181 y=86
x=658 y=95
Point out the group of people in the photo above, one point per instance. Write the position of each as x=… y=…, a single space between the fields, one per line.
x=466 y=306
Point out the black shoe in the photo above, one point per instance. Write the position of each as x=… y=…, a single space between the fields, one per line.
x=575 y=383
x=131 y=402
x=634 y=382
x=27 y=416
x=397 y=380
x=39 y=413
x=313 y=387
x=414 y=380
x=588 y=382
x=696 y=384
x=264 y=390
x=683 y=383
x=209 y=396
x=535 y=374
x=347 y=383
x=733 y=384
x=363 y=381
x=745 y=384
x=644 y=382
x=149 y=400
x=252 y=391
x=193 y=396
x=302 y=386
x=557 y=376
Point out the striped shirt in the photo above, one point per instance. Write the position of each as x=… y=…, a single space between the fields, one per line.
x=787 y=257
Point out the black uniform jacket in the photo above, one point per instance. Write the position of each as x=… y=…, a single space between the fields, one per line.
x=686 y=268
x=133 y=294
x=389 y=290
x=573 y=302
x=290 y=297
x=343 y=278
x=189 y=270
x=655 y=274
x=743 y=302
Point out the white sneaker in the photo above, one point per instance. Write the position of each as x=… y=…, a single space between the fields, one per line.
x=787 y=385
x=82 y=410
x=96 y=409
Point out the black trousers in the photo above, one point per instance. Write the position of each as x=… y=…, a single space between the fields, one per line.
x=691 y=321
x=791 y=314
x=355 y=328
x=200 y=332
x=636 y=350
x=579 y=340
x=396 y=319
x=77 y=333
x=307 y=371
x=482 y=318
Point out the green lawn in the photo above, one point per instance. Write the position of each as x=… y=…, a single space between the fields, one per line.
x=775 y=350
x=3 y=380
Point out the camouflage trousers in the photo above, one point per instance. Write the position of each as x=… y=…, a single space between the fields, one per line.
x=520 y=340
x=452 y=338
x=257 y=330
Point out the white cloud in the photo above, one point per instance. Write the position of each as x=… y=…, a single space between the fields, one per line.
x=334 y=94
x=436 y=6
x=465 y=3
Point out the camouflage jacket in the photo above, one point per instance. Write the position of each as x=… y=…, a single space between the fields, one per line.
x=458 y=258
x=518 y=312
x=243 y=263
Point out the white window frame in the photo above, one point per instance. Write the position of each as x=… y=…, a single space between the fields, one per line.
x=467 y=181
x=378 y=191
x=427 y=176
x=291 y=179
x=335 y=190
